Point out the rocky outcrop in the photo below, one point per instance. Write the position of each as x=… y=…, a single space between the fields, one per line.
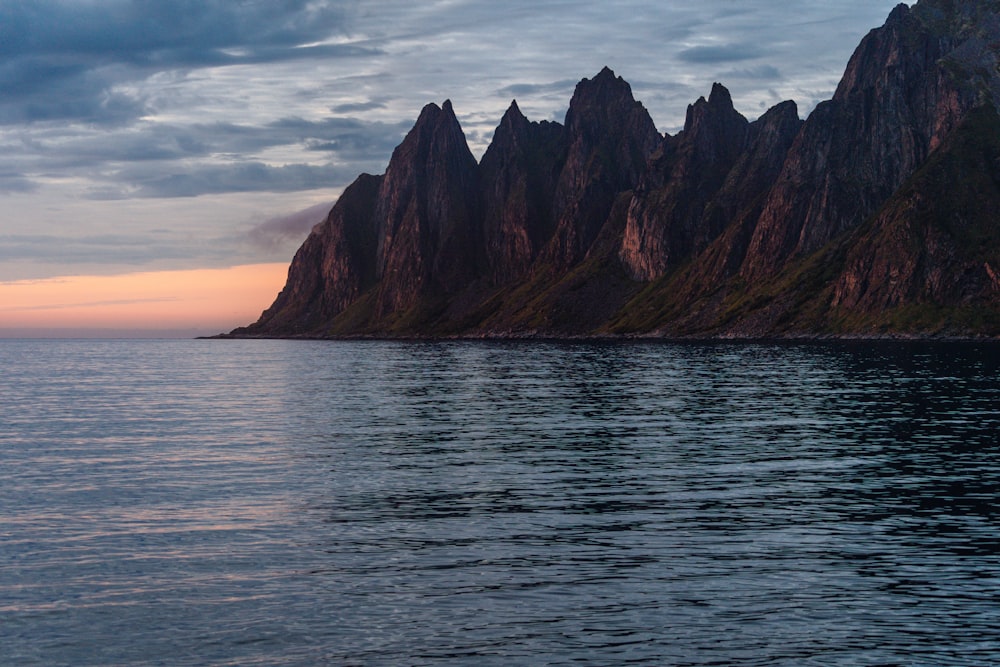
x=894 y=104
x=737 y=206
x=334 y=267
x=427 y=210
x=666 y=220
x=610 y=136
x=875 y=216
x=936 y=243
x=519 y=172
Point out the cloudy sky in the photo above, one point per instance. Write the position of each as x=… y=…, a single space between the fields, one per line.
x=139 y=136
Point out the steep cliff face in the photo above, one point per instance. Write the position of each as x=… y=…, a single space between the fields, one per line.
x=332 y=269
x=518 y=173
x=936 y=243
x=737 y=206
x=691 y=300
x=666 y=220
x=968 y=32
x=427 y=209
x=895 y=103
x=877 y=215
x=610 y=136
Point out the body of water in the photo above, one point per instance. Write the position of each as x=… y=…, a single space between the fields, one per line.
x=463 y=503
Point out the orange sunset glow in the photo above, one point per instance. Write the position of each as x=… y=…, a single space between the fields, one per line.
x=207 y=301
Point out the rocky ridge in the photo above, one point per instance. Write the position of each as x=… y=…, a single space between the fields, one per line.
x=876 y=216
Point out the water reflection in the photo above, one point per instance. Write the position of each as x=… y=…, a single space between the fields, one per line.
x=302 y=503
x=814 y=494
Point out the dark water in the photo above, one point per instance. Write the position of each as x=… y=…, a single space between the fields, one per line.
x=304 y=503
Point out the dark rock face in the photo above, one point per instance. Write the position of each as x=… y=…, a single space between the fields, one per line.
x=877 y=215
x=732 y=212
x=332 y=269
x=426 y=209
x=519 y=173
x=610 y=136
x=738 y=204
x=937 y=241
x=666 y=219
x=891 y=109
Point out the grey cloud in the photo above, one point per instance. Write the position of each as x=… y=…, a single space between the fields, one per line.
x=166 y=160
x=360 y=147
x=11 y=183
x=162 y=160
x=292 y=228
x=53 y=254
x=525 y=89
x=758 y=73
x=63 y=60
x=95 y=151
x=356 y=107
x=132 y=250
x=719 y=54
x=350 y=138
x=141 y=181
x=36 y=89
x=153 y=31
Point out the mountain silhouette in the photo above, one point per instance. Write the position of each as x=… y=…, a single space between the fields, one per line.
x=879 y=215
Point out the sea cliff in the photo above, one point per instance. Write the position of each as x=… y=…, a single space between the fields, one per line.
x=877 y=216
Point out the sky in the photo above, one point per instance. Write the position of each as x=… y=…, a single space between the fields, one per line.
x=161 y=156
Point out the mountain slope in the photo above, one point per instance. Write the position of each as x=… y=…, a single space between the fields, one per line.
x=875 y=216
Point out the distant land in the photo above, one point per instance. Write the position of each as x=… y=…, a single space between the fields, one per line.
x=878 y=216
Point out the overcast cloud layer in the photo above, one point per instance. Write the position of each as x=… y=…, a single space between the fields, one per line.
x=156 y=134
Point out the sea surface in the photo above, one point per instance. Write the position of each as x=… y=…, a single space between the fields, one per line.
x=212 y=502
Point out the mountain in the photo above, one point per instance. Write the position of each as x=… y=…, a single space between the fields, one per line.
x=875 y=216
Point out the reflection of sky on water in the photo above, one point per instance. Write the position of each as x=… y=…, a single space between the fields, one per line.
x=303 y=502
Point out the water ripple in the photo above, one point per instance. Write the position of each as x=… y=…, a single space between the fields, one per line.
x=366 y=503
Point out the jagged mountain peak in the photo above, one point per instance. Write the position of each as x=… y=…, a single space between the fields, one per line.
x=513 y=117
x=610 y=139
x=604 y=95
x=437 y=130
x=720 y=97
x=961 y=35
x=428 y=114
x=606 y=80
x=607 y=73
x=518 y=175
x=516 y=132
x=881 y=49
x=432 y=115
x=603 y=225
x=717 y=109
x=784 y=114
x=898 y=13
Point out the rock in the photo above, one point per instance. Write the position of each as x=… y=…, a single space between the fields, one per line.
x=427 y=211
x=332 y=269
x=892 y=107
x=518 y=173
x=935 y=244
x=666 y=220
x=875 y=216
x=610 y=136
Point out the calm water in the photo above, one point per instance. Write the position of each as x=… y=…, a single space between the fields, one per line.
x=304 y=503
